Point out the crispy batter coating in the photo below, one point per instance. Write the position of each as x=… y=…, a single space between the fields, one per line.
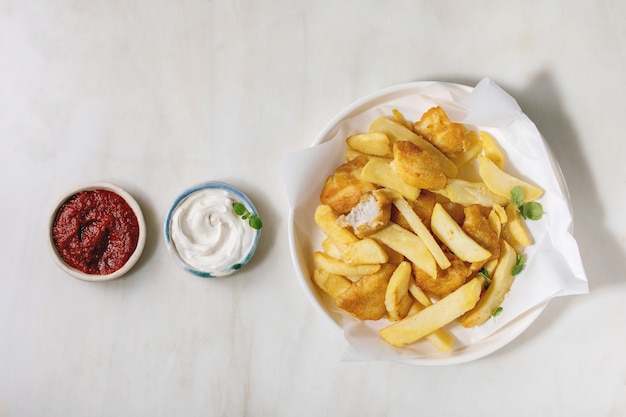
x=447 y=281
x=418 y=167
x=344 y=188
x=450 y=138
x=477 y=226
x=365 y=299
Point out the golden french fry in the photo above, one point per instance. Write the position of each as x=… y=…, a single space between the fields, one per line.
x=397 y=132
x=418 y=294
x=451 y=234
x=370 y=143
x=333 y=248
x=433 y=317
x=494 y=221
x=326 y=220
x=409 y=245
x=397 y=298
x=422 y=231
x=440 y=338
x=515 y=231
x=501 y=281
x=378 y=171
x=502 y=183
x=365 y=251
x=491 y=150
x=331 y=284
x=352 y=154
x=399 y=117
x=336 y=266
x=467 y=193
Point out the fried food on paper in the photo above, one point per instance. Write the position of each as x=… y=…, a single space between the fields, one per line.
x=433 y=317
x=401 y=228
x=369 y=215
x=344 y=188
x=365 y=299
x=501 y=282
x=446 y=281
x=418 y=167
x=450 y=138
x=479 y=228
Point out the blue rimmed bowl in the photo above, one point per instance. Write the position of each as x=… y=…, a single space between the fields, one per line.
x=212 y=229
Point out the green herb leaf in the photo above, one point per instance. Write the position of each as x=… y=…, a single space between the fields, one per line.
x=497 y=311
x=531 y=210
x=255 y=222
x=517 y=196
x=485 y=274
x=520 y=263
x=239 y=209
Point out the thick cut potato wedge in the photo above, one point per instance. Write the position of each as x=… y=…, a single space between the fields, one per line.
x=440 y=338
x=378 y=171
x=331 y=284
x=397 y=299
x=433 y=317
x=502 y=183
x=491 y=150
x=451 y=234
x=397 y=132
x=515 y=231
x=336 y=266
x=409 y=245
x=467 y=193
x=422 y=231
x=501 y=281
x=365 y=251
x=370 y=143
x=326 y=219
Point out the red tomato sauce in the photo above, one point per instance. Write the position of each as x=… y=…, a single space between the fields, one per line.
x=96 y=232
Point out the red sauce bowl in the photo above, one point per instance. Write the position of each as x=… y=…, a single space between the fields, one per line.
x=97 y=232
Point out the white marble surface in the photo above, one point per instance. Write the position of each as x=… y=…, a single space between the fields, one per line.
x=157 y=96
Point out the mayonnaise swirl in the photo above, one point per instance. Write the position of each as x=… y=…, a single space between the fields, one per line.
x=208 y=235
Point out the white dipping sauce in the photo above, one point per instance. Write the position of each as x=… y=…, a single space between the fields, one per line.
x=208 y=235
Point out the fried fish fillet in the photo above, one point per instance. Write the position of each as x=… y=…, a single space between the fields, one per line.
x=371 y=214
x=365 y=299
x=450 y=138
x=477 y=226
x=418 y=167
x=344 y=188
x=447 y=281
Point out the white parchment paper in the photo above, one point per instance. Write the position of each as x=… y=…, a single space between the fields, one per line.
x=554 y=267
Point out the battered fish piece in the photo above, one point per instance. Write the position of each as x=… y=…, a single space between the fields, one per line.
x=418 y=167
x=450 y=138
x=365 y=299
x=371 y=214
x=447 y=281
x=477 y=226
x=344 y=188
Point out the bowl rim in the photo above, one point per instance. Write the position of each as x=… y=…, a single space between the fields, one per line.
x=130 y=200
x=465 y=354
x=241 y=197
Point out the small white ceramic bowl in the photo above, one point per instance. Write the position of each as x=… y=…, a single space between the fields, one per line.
x=174 y=241
x=136 y=253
